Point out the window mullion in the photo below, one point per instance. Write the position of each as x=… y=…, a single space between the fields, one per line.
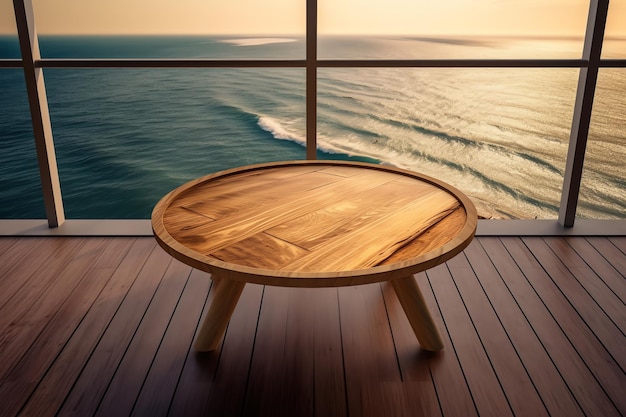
x=583 y=107
x=40 y=115
x=311 y=79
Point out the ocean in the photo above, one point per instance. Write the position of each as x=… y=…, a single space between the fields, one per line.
x=125 y=137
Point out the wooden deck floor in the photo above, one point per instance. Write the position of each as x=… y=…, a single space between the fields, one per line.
x=103 y=326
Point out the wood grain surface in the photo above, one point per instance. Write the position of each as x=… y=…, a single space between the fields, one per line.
x=315 y=221
x=515 y=343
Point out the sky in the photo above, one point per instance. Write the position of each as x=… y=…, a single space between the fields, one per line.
x=275 y=17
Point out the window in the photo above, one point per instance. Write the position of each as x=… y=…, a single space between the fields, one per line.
x=603 y=188
x=20 y=188
x=481 y=95
x=132 y=135
x=614 y=45
x=450 y=29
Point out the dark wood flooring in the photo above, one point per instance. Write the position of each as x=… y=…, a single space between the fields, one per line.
x=103 y=327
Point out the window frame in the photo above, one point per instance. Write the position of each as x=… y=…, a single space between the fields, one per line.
x=588 y=65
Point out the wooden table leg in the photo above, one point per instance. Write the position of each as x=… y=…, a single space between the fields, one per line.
x=416 y=310
x=225 y=297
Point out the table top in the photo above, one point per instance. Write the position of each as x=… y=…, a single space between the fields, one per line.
x=314 y=223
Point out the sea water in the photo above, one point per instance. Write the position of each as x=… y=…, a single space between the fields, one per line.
x=125 y=137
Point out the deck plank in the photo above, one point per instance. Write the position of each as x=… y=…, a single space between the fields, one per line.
x=61 y=375
x=265 y=385
x=504 y=357
x=227 y=396
x=415 y=364
x=113 y=335
x=196 y=378
x=589 y=371
x=494 y=267
x=129 y=377
x=8 y=242
x=312 y=359
x=31 y=368
x=602 y=294
x=30 y=279
x=22 y=258
x=14 y=256
x=91 y=385
x=577 y=294
x=475 y=362
x=330 y=389
x=160 y=384
x=368 y=351
x=620 y=243
x=214 y=383
x=27 y=321
x=297 y=364
x=608 y=262
x=455 y=398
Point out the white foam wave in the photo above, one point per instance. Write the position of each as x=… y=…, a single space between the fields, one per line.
x=280 y=132
x=257 y=41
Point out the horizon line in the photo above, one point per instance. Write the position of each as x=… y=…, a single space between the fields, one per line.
x=302 y=35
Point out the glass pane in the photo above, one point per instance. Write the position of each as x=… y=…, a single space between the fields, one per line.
x=211 y=47
x=615 y=33
x=603 y=188
x=126 y=137
x=451 y=29
x=9 y=45
x=20 y=187
x=7 y=18
x=448 y=47
x=499 y=135
x=185 y=28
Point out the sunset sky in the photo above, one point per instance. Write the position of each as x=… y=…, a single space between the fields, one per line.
x=443 y=17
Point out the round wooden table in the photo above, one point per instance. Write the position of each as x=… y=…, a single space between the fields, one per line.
x=314 y=224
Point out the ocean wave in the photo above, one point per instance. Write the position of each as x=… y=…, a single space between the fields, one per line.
x=231 y=110
x=503 y=150
x=278 y=131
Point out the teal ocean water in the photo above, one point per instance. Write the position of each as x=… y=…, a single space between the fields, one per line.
x=125 y=137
